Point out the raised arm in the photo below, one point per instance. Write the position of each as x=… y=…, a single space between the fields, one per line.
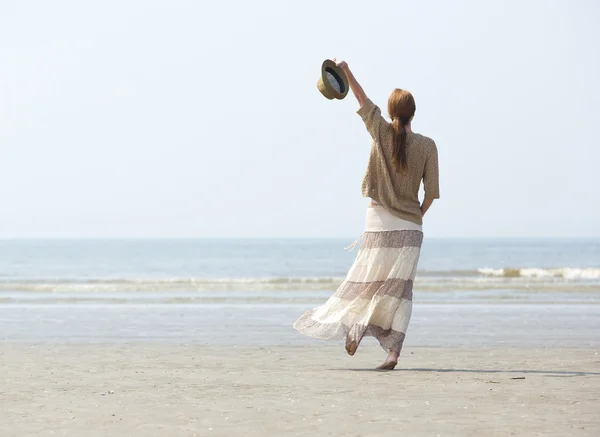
x=357 y=90
x=369 y=112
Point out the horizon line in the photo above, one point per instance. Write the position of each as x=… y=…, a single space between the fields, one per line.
x=473 y=237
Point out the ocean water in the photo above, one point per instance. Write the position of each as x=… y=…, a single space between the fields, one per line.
x=448 y=269
x=202 y=290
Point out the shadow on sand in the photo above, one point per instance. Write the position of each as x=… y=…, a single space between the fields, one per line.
x=555 y=373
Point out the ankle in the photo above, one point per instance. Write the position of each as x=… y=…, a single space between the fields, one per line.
x=393 y=356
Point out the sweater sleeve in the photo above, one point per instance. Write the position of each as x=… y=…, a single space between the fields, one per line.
x=371 y=115
x=431 y=177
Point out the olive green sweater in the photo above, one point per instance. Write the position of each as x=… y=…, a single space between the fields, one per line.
x=398 y=192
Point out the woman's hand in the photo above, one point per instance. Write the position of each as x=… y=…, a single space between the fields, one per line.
x=425 y=206
x=341 y=64
x=359 y=93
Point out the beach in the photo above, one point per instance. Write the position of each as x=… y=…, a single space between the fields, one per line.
x=195 y=390
x=195 y=338
x=232 y=368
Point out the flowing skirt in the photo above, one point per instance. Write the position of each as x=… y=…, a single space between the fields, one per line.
x=375 y=299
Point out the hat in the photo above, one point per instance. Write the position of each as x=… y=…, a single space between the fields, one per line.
x=333 y=82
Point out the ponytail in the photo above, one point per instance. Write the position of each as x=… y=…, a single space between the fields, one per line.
x=401 y=109
x=399 y=140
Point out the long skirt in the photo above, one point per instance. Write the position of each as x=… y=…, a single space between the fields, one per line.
x=375 y=299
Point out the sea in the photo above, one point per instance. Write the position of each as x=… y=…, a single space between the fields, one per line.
x=468 y=292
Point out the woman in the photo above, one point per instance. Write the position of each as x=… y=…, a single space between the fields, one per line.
x=376 y=297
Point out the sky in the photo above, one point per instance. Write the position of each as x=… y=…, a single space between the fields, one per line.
x=176 y=118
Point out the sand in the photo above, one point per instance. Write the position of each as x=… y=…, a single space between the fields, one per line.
x=193 y=390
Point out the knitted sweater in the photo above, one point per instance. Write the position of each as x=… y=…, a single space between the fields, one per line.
x=398 y=192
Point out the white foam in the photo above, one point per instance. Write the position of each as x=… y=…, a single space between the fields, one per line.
x=165 y=284
x=570 y=273
x=483 y=278
x=491 y=272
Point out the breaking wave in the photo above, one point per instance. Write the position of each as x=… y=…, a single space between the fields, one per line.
x=166 y=284
x=479 y=279
x=568 y=273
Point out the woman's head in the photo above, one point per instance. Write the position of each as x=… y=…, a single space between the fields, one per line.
x=401 y=109
x=401 y=105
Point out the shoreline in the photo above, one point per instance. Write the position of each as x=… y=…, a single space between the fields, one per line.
x=445 y=325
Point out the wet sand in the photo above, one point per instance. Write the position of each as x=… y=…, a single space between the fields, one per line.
x=154 y=389
x=433 y=325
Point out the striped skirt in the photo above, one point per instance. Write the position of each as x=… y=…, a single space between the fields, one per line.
x=375 y=299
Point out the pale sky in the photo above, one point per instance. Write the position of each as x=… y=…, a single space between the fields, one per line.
x=202 y=119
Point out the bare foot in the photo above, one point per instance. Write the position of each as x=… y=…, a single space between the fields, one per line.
x=351 y=348
x=387 y=365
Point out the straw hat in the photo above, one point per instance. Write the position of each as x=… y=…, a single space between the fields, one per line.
x=333 y=82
